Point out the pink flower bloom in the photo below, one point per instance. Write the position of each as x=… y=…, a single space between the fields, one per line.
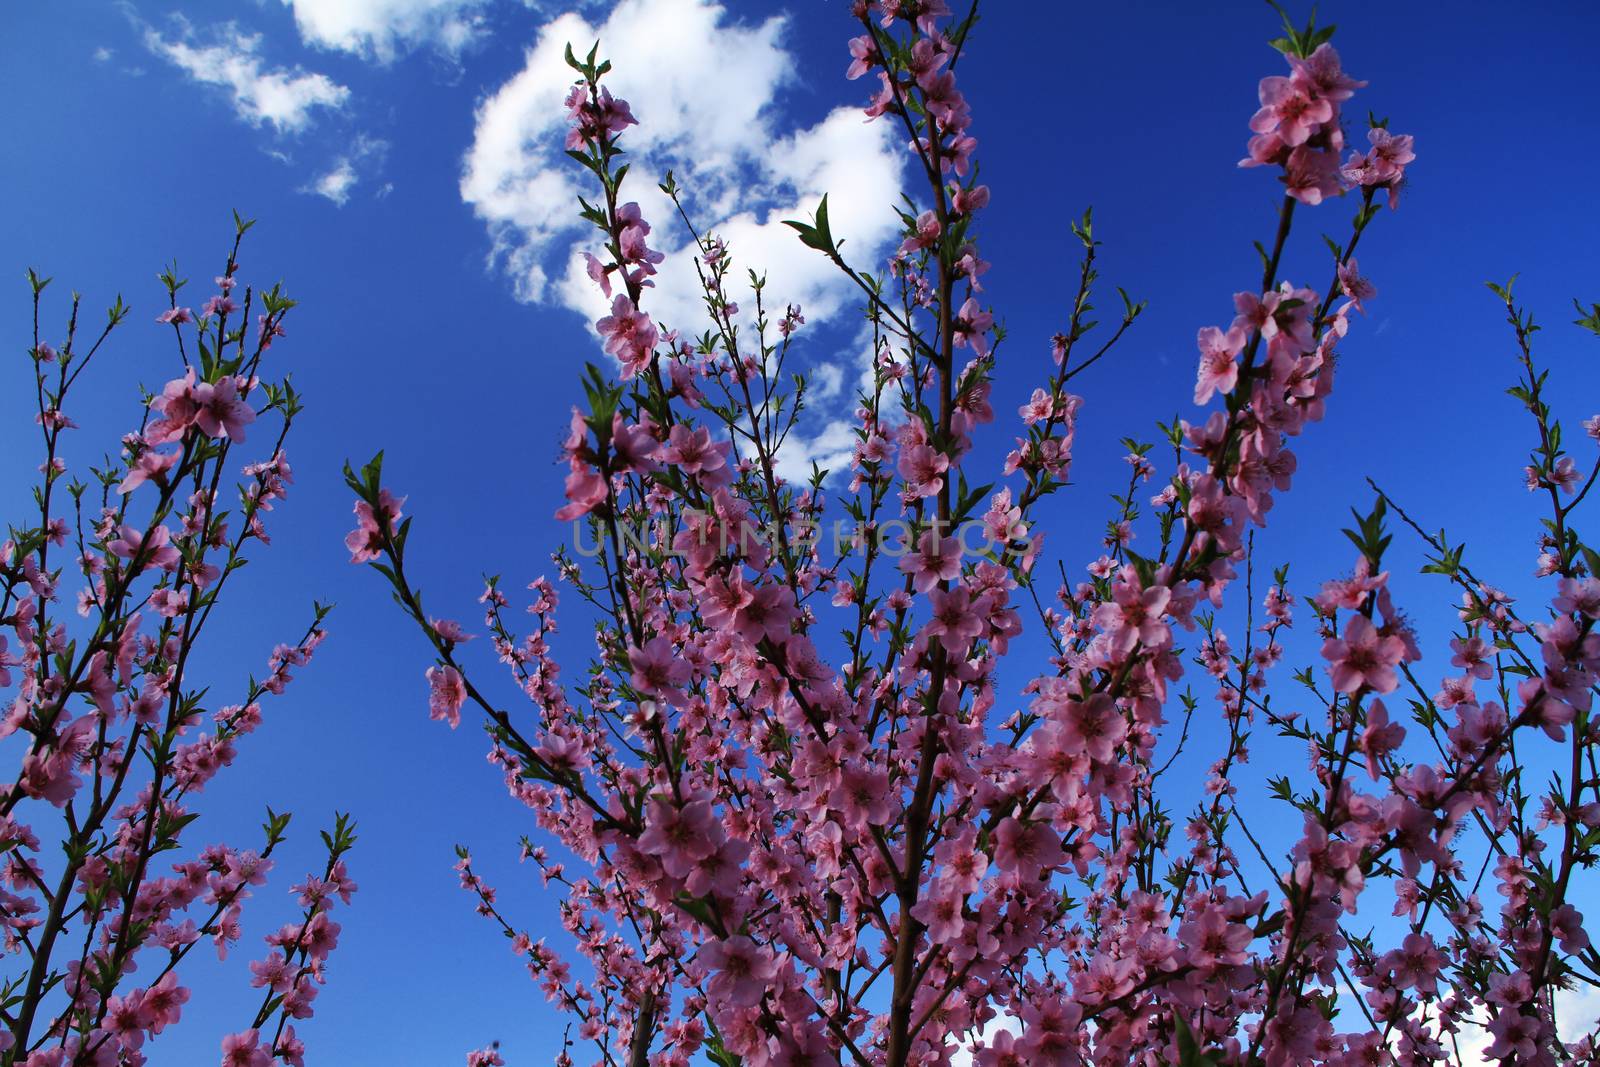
x=1094 y=727
x=680 y=837
x=1383 y=165
x=1290 y=110
x=922 y=466
x=449 y=630
x=1312 y=176
x=632 y=231
x=692 y=451
x=163 y=1002
x=1362 y=657
x=1134 y=615
x=1390 y=153
x=741 y=971
x=1003 y=1050
x=150 y=464
x=971 y=327
x=1566 y=922
x=862 y=796
x=1026 y=850
x=628 y=334
x=291 y=1049
x=1354 y=285
x=586 y=490
x=1323 y=74
x=1473 y=653
x=954 y=622
x=1578 y=595
x=221 y=304
x=768 y=613
x=659 y=671
x=935 y=560
x=863 y=55
x=1219 y=371
x=365 y=542
x=926 y=234
x=447 y=692
x=940 y=911
x=244 y=1050
x=125 y=1019
x=594 y=119
x=1211 y=941
x=1380 y=737
x=155 y=549
x=221 y=411
x=215 y=407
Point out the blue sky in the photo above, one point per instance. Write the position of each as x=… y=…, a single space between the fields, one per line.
x=382 y=145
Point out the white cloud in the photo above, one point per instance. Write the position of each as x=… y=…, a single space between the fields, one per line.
x=103 y=54
x=384 y=29
x=705 y=91
x=364 y=158
x=282 y=98
x=829 y=448
x=336 y=183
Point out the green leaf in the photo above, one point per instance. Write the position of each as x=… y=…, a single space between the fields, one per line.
x=1190 y=1054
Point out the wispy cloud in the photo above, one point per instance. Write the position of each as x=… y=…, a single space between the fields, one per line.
x=336 y=184
x=362 y=161
x=229 y=58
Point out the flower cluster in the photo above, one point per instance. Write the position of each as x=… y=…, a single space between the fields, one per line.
x=1298 y=128
x=799 y=818
x=112 y=735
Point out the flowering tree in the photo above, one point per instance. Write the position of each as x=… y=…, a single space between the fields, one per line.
x=783 y=846
x=112 y=734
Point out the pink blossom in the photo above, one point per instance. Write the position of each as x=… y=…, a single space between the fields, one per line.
x=244 y=1050
x=152 y=549
x=1026 y=850
x=586 y=490
x=365 y=542
x=447 y=692
x=936 y=559
x=862 y=796
x=1312 y=175
x=692 y=450
x=972 y=325
x=954 y=620
x=659 y=671
x=1291 y=110
x=1380 y=737
x=740 y=971
x=628 y=334
x=680 y=837
x=1361 y=656
x=923 y=467
x=926 y=234
x=1134 y=615
x=1219 y=371
x=1354 y=285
